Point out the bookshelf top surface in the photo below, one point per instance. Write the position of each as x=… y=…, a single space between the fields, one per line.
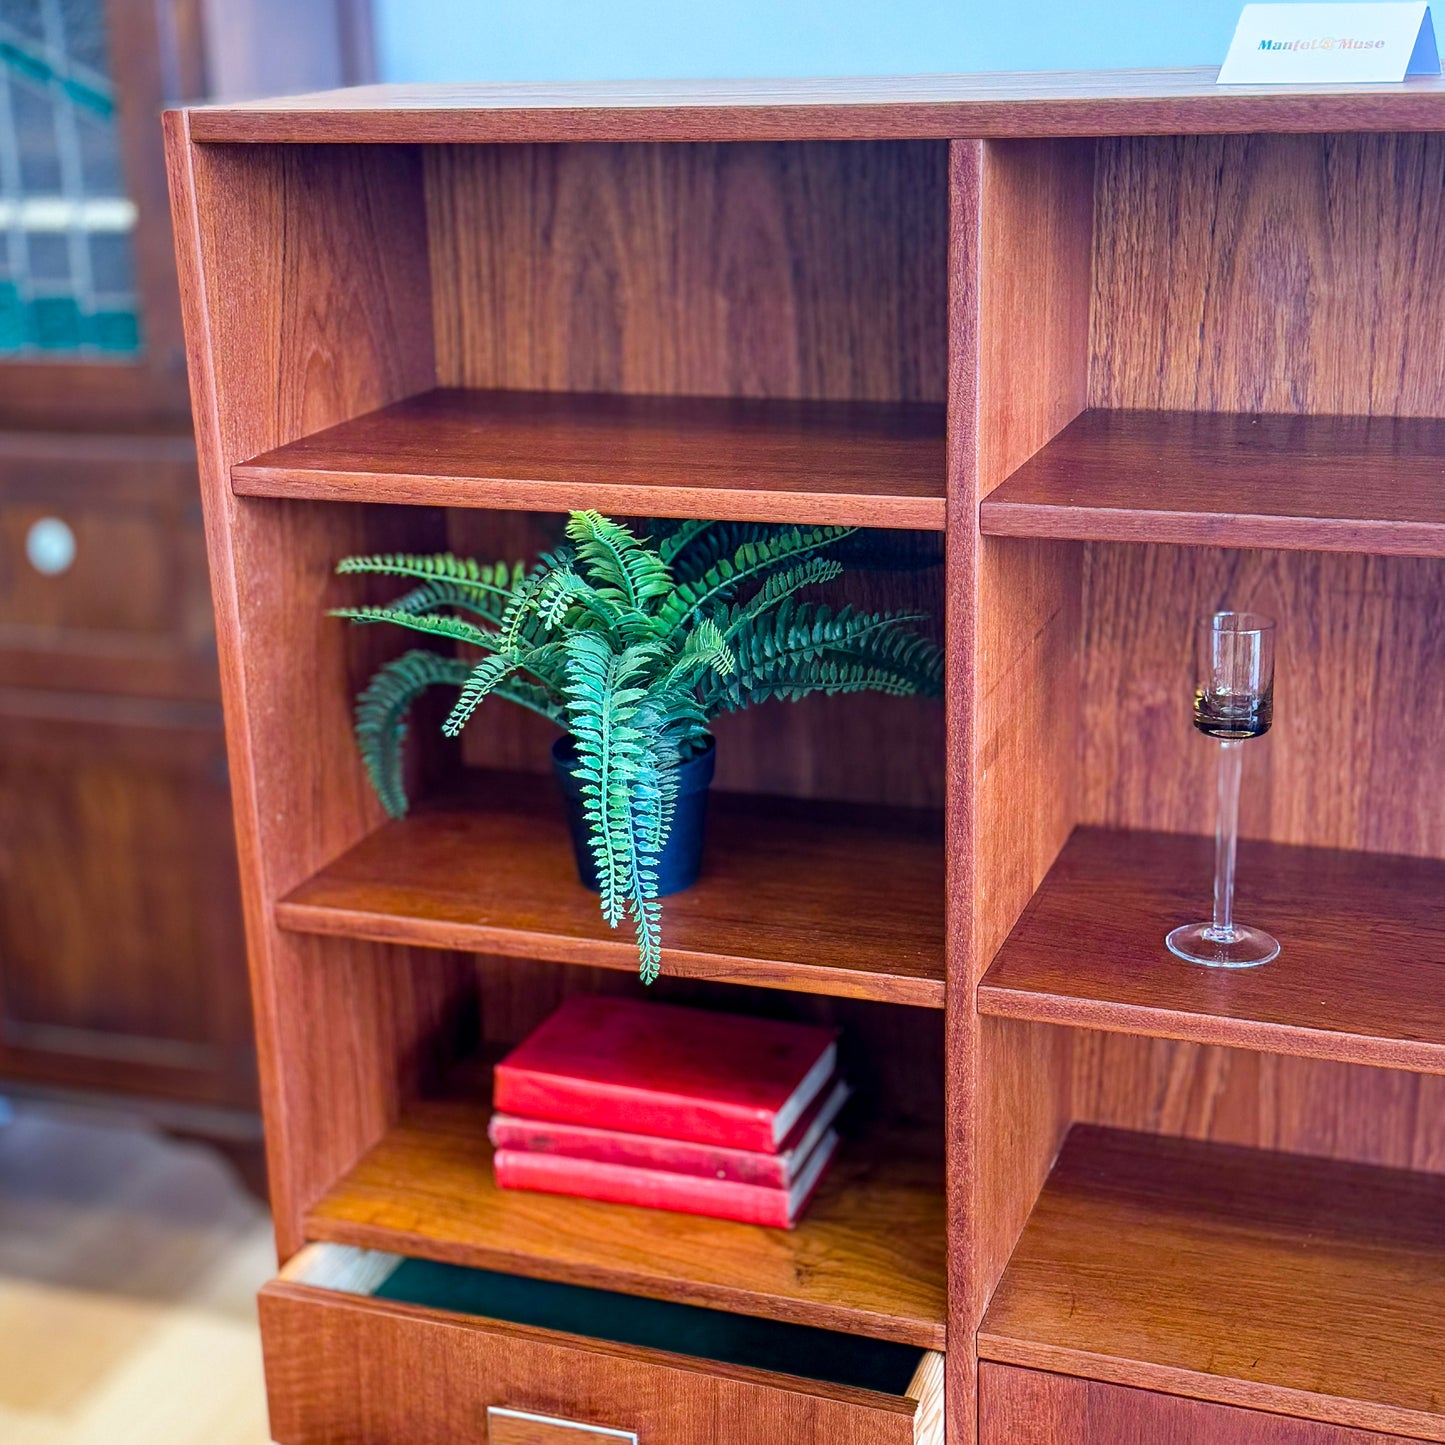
x=941 y=107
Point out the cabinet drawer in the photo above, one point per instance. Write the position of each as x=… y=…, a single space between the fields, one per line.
x=103 y=581
x=364 y=1348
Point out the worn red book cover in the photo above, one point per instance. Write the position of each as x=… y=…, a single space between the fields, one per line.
x=677 y=1156
x=662 y=1070
x=661 y=1189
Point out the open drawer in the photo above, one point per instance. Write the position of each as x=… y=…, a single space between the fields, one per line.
x=365 y=1348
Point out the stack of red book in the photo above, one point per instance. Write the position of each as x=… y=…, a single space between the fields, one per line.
x=672 y=1108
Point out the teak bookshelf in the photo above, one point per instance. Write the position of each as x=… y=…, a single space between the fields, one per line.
x=1099 y=353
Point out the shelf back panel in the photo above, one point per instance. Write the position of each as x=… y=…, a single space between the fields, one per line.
x=1270 y=273
x=1353 y=759
x=771 y=270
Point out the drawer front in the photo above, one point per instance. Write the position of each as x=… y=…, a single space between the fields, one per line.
x=349 y=1370
x=103 y=582
x=1033 y=1407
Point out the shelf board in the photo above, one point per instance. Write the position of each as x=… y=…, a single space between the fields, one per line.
x=1360 y=976
x=870 y=464
x=814 y=897
x=1312 y=483
x=1298 y=1285
x=868 y=1257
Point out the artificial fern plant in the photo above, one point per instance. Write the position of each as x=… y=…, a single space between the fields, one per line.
x=632 y=646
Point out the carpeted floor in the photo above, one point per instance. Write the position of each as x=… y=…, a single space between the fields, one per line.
x=129 y=1265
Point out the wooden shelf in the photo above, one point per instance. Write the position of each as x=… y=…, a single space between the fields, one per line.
x=1360 y=976
x=815 y=897
x=1298 y=1285
x=867 y=464
x=868 y=1257
x=1313 y=483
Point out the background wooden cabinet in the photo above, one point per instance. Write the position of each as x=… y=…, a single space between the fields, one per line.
x=122 y=961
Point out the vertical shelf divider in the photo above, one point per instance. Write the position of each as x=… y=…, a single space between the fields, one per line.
x=1021 y=225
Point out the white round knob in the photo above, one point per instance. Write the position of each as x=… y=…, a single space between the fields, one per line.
x=50 y=546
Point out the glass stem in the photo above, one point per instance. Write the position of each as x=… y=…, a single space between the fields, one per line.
x=1226 y=839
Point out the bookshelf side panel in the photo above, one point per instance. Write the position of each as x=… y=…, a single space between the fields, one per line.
x=306 y=301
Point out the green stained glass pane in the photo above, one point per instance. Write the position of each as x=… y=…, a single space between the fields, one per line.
x=66 y=221
x=12 y=318
x=54 y=323
x=114 y=331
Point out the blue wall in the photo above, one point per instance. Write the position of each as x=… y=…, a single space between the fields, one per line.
x=635 y=39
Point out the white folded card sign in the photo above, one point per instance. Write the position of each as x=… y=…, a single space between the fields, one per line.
x=1326 y=44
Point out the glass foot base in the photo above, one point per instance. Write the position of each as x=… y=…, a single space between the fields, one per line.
x=1243 y=948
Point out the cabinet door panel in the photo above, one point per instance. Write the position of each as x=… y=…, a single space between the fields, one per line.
x=121 y=957
x=1032 y=1407
x=102 y=566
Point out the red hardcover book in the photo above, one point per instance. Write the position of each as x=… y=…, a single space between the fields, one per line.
x=678 y=1073
x=660 y=1189
x=677 y=1156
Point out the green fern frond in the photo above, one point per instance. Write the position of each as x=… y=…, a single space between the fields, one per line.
x=621 y=568
x=674 y=538
x=712 y=542
x=647 y=920
x=561 y=589
x=481 y=681
x=806 y=647
x=500 y=578
x=752 y=559
x=828 y=678
x=601 y=701
x=778 y=588
x=381 y=713
x=436 y=624
x=704 y=647
x=433 y=596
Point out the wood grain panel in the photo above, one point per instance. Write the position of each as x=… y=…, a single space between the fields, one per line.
x=764 y=271
x=120 y=964
x=344 y=1371
x=307 y=301
x=1267 y=1280
x=1017 y=1405
x=1329 y=483
x=1019 y=317
x=1238 y=1096
x=1359 y=685
x=1089 y=950
x=1060 y=103
x=1270 y=273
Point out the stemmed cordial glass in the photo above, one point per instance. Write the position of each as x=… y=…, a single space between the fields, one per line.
x=1233 y=701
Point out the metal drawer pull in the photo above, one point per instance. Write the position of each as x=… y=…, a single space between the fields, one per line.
x=521 y=1427
x=50 y=546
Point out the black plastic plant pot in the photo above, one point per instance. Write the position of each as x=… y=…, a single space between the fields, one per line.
x=681 y=859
